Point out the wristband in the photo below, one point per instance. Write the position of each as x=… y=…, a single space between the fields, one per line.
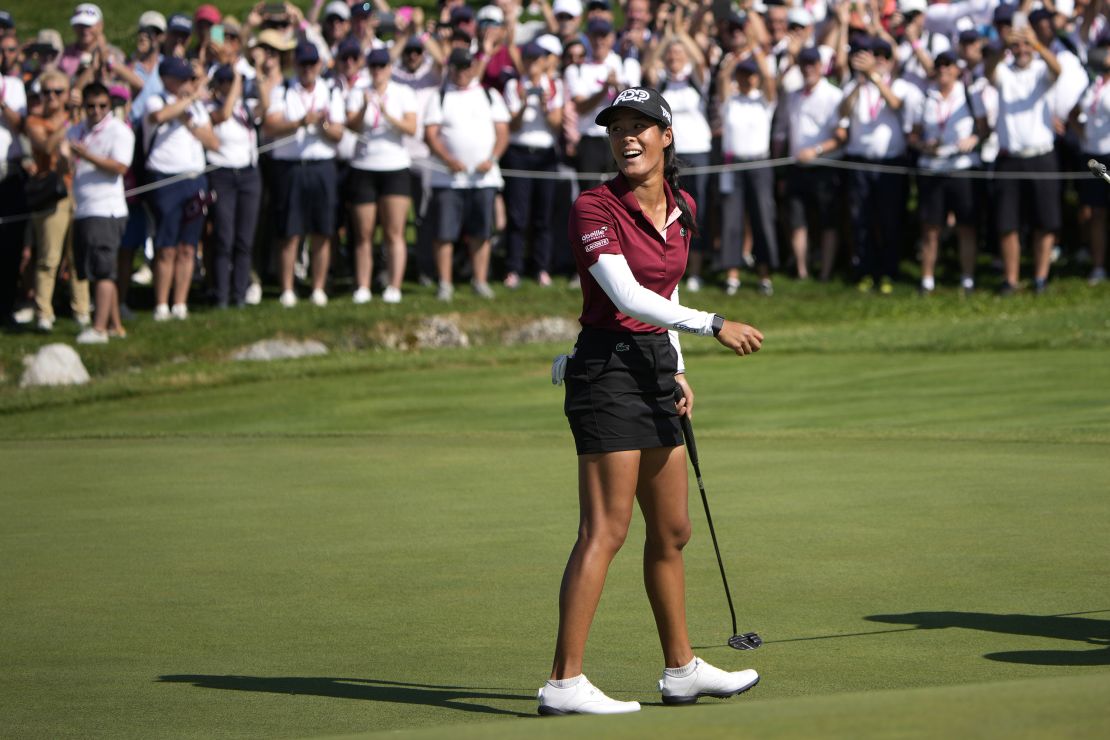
x=718 y=323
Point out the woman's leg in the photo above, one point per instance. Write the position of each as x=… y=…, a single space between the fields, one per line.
x=164 y=259
x=661 y=494
x=366 y=215
x=183 y=273
x=607 y=484
x=321 y=260
x=395 y=213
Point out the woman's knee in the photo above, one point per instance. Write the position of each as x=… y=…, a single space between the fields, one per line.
x=606 y=537
x=670 y=537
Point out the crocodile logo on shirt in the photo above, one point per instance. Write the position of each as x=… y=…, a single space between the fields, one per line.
x=621 y=347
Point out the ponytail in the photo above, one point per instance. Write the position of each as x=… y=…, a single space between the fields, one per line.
x=670 y=174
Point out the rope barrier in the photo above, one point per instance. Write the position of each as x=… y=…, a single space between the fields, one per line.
x=838 y=164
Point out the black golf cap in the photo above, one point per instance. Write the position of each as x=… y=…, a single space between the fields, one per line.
x=640 y=99
x=809 y=55
x=946 y=57
x=460 y=58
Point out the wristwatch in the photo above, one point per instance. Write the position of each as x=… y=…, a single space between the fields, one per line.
x=718 y=323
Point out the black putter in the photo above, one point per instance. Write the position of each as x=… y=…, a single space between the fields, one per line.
x=748 y=640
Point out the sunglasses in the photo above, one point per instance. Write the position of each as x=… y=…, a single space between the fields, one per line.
x=9 y=49
x=378 y=66
x=97 y=106
x=414 y=51
x=564 y=16
x=53 y=91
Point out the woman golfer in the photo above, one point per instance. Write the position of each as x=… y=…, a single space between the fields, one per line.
x=630 y=238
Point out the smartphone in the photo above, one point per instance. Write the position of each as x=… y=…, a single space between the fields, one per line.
x=217 y=33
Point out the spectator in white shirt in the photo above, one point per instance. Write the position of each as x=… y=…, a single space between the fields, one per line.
x=947 y=134
x=236 y=184
x=592 y=85
x=873 y=106
x=677 y=68
x=378 y=184
x=309 y=115
x=177 y=130
x=812 y=114
x=467 y=130
x=1092 y=118
x=1026 y=136
x=13 y=107
x=747 y=108
x=99 y=150
x=535 y=102
x=917 y=44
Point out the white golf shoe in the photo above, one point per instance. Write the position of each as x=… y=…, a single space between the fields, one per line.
x=703 y=679
x=581 y=698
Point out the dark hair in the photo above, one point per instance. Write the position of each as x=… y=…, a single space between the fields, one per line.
x=671 y=164
x=94 y=90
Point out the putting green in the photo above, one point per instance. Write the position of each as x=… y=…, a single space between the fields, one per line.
x=920 y=539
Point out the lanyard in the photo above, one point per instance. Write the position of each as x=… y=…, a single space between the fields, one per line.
x=379 y=105
x=1098 y=95
x=944 y=112
x=873 y=108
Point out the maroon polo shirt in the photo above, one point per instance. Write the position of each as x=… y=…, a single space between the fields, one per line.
x=608 y=220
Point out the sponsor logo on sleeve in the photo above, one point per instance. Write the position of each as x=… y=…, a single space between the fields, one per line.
x=595 y=234
x=596 y=245
x=684 y=328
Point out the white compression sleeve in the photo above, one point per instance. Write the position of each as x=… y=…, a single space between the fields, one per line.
x=673 y=336
x=615 y=277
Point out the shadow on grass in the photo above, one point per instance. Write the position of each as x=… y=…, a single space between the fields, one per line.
x=1055 y=626
x=447 y=697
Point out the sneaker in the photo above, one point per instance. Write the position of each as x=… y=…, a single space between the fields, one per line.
x=766 y=287
x=24 y=315
x=732 y=286
x=253 y=296
x=705 y=680
x=886 y=286
x=391 y=295
x=967 y=285
x=119 y=333
x=83 y=320
x=362 y=295
x=180 y=311
x=161 y=312
x=1006 y=289
x=288 y=299
x=143 y=276
x=445 y=292
x=92 y=336
x=319 y=298
x=44 y=325
x=693 y=284
x=544 y=279
x=1040 y=285
x=865 y=285
x=574 y=283
x=1098 y=275
x=482 y=289
x=512 y=281
x=581 y=698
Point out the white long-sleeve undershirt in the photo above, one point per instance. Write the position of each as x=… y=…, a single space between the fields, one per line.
x=612 y=273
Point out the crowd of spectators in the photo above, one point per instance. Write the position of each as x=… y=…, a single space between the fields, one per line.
x=256 y=149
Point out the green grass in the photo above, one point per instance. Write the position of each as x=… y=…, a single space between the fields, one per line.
x=372 y=541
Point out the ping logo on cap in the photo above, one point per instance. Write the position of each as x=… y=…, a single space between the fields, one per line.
x=633 y=95
x=666 y=113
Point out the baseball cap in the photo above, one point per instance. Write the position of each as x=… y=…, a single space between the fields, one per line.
x=640 y=99
x=881 y=47
x=905 y=7
x=1004 y=14
x=461 y=14
x=120 y=92
x=549 y=43
x=969 y=36
x=809 y=55
x=491 y=14
x=175 y=67
x=799 y=17
x=52 y=38
x=223 y=73
x=748 y=65
x=599 y=27
x=860 y=43
x=945 y=57
x=1040 y=14
x=569 y=7
x=6 y=20
x=362 y=10
x=597 y=5
x=306 y=53
x=179 y=23
x=348 y=47
x=152 y=19
x=737 y=20
x=339 y=9
x=378 y=58
x=86 y=14
x=459 y=58
x=414 y=42
x=532 y=50
x=207 y=12
x=274 y=39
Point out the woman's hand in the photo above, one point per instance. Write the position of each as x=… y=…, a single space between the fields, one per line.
x=686 y=405
x=740 y=338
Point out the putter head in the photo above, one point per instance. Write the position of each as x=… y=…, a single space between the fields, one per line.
x=746 y=641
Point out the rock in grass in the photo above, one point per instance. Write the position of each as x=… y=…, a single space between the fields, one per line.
x=547 y=329
x=441 y=331
x=279 y=349
x=54 y=364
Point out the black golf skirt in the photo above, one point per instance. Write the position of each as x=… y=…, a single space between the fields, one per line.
x=620 y=392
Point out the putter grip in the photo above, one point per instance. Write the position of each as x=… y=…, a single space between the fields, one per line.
x=687 y=429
